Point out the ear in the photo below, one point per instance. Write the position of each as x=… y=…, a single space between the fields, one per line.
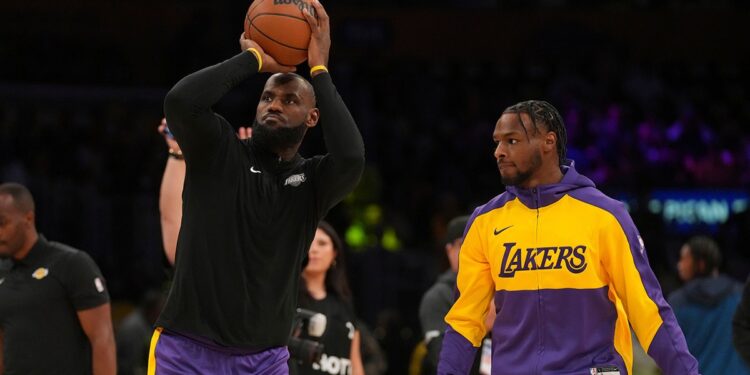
x=29 y=217
x=550 y=142
x=313 y=115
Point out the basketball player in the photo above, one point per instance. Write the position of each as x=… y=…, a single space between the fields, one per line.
x=564 y=263
x=250 y=210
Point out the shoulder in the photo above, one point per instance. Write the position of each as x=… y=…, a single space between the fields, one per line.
x=71 y=257
x=596 y=198
x=678 y=298
x=312 y=162
x=498 y=202
x=340 y=307
x=608 y=214
x=438 y=293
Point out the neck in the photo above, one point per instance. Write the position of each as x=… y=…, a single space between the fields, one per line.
x=547 y=176
x=28 y=244
x=284 y=153
x=287 y=153
x=316 y=285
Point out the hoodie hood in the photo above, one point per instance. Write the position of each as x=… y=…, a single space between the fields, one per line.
x=710 y=291
x=544 y=195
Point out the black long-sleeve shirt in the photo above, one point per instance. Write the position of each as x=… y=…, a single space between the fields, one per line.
x=248 y=217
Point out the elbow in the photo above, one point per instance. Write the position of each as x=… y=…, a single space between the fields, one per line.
x=355 y=161
x=175 y=102
x=358 y=161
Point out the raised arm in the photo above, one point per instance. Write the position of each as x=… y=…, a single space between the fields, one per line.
x=170 y=195
x=97 y=324
x=346 y=152
x=188 y=104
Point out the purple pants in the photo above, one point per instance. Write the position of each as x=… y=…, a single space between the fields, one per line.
x=175 y=354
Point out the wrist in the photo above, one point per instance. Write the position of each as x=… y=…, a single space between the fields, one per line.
x=318 y=69
x=176 y=154
x=257 y=55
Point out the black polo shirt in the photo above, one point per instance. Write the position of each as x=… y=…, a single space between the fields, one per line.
x=39 y=298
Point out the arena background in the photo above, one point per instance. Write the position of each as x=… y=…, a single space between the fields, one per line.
x=654 y=94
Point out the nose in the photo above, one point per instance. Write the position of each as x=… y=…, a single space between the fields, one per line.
x=500 y=151
x=275 y=106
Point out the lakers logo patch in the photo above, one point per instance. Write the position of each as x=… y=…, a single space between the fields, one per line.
x=295 y=180
x=40 y=273
x=520 y=259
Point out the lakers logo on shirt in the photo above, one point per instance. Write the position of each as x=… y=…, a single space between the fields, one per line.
x=295 y=180
x=40 y=273
x=542 y=258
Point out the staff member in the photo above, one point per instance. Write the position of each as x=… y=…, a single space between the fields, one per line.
x=54 y=308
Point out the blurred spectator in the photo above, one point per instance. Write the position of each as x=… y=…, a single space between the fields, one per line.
x=704 y=307
x=133 y=334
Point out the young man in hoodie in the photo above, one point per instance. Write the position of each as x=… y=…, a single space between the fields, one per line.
x=704 y=307
x=564 y=263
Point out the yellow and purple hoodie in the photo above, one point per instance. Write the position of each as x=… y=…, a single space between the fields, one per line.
x=569 y=276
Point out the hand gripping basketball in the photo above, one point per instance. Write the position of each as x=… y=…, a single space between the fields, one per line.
x=270 y=65
x=320 y=36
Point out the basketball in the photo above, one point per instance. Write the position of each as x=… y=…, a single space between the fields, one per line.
x=280 y=28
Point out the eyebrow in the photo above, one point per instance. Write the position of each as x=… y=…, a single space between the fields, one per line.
x=506 y=133
x=283 y=95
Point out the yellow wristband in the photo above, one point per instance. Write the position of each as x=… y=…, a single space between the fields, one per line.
x=317 y=68
x=257 y=56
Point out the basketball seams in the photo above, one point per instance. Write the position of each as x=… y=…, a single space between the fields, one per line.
x=276 y=41
x=253 y=6
x=279 y=14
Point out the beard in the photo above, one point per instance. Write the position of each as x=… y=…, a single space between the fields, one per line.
x=277 y=138
x=521 y=177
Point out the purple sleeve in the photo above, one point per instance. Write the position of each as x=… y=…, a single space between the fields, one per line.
x=456 y=355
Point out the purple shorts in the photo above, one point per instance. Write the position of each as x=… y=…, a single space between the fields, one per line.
x=176 y=354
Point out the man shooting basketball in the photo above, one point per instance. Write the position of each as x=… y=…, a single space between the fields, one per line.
x=564 y=263
x=250 y=210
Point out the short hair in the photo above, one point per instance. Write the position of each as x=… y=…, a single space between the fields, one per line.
x=284 y=78
x=703 y=248
x=455 y=229
x=22 y=198
x=542 y=111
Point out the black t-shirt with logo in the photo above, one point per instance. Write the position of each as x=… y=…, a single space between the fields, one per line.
x=337 y=339
x=39 y=299
x=248 y=217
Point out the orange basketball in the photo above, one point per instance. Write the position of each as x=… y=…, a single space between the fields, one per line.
x=280 y=28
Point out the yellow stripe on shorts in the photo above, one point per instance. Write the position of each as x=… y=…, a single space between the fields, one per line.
x=152 y=352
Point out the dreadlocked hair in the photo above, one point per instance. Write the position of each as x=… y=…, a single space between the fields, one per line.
x=542 y=111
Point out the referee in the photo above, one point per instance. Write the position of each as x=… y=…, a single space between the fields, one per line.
x=54 y=308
